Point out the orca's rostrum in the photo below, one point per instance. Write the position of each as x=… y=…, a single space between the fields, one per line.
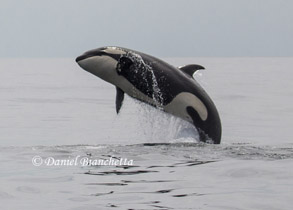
x=157 y=83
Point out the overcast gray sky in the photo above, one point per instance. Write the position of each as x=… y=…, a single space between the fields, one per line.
x=66 y=28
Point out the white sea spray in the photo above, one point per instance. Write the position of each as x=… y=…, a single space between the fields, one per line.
x=141 y=67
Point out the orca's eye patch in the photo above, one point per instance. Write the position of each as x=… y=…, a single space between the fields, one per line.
x=123 y=64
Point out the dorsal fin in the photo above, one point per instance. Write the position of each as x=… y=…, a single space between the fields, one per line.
x=190 y=69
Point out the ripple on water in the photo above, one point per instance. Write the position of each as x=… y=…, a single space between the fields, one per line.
x=26 y=189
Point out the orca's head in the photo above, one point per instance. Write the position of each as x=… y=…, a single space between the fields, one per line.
x=102 y=62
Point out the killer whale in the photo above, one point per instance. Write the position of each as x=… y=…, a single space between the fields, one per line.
x=155 y=82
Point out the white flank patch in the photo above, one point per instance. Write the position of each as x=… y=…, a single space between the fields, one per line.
x=178 y=106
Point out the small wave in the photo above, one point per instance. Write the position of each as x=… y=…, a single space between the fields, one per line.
x=202 y=151
x=199 y=153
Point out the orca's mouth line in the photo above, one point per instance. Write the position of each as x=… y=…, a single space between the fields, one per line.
x=98 y=53
x=85 y=56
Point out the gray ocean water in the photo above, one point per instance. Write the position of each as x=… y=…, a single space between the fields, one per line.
x=53 y=110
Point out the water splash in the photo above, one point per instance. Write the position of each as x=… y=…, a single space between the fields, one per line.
x=146 y=70
x=151 y=125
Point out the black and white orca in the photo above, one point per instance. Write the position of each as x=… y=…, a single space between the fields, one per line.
x=155 y=82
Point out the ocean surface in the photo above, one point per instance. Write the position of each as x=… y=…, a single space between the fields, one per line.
x=61 y=140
